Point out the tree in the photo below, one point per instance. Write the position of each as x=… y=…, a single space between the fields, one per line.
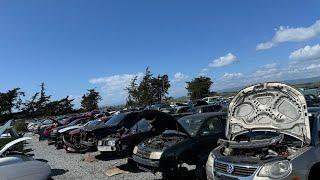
x=133 y=95
x=145 y=89
x=60 y=107
x=9 y=101
x=160 y=86
x=199 y=87
x=90 y=100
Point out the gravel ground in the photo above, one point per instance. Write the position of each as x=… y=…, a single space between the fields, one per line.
x=73 y=167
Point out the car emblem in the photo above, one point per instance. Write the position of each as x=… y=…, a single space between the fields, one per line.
x=230 y=168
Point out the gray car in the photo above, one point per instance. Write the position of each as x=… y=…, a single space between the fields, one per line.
x=270 y=135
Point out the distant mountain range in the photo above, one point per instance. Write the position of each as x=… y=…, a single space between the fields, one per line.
x=293 y=81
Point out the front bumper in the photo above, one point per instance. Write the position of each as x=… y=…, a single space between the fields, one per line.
x=107 y=148
x=146 y=164
x=212 y=174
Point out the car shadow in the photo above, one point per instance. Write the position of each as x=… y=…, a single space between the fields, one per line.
x=58 y=172
x=130 y=167
x=109 y=156
x=42 y=160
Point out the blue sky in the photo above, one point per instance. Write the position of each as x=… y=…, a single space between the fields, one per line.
x=75 y=45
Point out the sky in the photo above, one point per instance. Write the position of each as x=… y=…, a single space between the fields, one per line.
x=75 y=45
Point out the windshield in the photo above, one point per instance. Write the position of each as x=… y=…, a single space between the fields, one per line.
x=115 y=120
x=141 y=126
x=93 y=123
x=191 y=124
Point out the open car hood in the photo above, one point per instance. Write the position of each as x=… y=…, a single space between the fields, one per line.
x=6 y=126
x=269 y=107
x=12 y=143
x=161 y=121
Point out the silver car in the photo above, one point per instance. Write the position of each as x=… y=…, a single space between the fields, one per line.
x=270 y=135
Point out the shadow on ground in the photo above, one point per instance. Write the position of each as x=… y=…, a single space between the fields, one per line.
x=58 y=172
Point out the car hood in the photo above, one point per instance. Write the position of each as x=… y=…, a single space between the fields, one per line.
x=12 y=143
x=161 y=121
x=6 y=126
x=269 y=107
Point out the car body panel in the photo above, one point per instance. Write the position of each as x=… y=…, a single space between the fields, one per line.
x=269 y=106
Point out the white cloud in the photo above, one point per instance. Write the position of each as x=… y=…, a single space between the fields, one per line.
x=231 y=76
x=113 y=87
x=223 y=60
x=306 y=53
x=290 y=34
x=179 y=76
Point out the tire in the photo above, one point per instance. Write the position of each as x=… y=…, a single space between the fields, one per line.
x=314 y=172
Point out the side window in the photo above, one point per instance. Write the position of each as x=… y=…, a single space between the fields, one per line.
x=212 y=126
x=141 y=126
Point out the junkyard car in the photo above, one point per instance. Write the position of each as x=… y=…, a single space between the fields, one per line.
x=117 y=124
x=176 y=152
x=151 y=123
x=269 y=136
x=56 y=137
x=71 y=137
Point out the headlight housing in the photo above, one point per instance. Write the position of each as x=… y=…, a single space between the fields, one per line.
x=155 y=155
x=276 y=170
x=210 y=160
x=111 y=143
x=135 y=150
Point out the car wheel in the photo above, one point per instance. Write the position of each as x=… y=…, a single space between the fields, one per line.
x=200 y=171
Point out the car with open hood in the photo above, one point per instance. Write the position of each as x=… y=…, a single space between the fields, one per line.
x=18 y=166
x=151 y=123
x=63 y=122
x=71 y=135
x=118 y=123
x=270 y=135
x=55 y=135
x=178 y=152
x=8 y=134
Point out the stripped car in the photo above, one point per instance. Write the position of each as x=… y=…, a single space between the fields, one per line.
x=71 y=135
x=178 y=152
x=117 y=124
x=151 y=123
x=56 y=137
x=269 y=136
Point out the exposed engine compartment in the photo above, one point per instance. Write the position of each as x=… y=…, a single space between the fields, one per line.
x=265 y=149
x=164 y=141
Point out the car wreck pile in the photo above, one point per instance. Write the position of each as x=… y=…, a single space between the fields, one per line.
x=267 y=132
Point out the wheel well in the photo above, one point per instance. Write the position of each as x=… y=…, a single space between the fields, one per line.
x=314 y=171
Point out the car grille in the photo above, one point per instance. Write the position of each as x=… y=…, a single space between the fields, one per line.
x=143 y=153
x=242 y=171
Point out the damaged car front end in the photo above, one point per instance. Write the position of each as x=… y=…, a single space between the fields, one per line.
x=119 y=123
x=151 y=123
x=179 y=152
x=268 y=133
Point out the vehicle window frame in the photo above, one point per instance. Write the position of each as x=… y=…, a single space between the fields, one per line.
x=220 y=119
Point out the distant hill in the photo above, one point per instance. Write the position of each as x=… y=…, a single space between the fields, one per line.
x=293 y=82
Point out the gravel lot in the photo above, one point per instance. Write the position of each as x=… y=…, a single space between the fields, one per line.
x=72 y=166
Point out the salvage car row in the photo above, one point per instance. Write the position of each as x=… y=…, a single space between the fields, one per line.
x=268 y=132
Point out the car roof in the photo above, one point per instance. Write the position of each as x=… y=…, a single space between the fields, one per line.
x=208 y=114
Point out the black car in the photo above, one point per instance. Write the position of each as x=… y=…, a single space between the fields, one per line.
x=117 y=124
x=177 y=152
x=151 y=123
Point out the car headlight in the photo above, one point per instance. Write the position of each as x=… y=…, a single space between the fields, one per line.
x=135 y=150
x=210 y=160
x=277 y=170
x=99 y=143
x=155 y=155
x=111 y=142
